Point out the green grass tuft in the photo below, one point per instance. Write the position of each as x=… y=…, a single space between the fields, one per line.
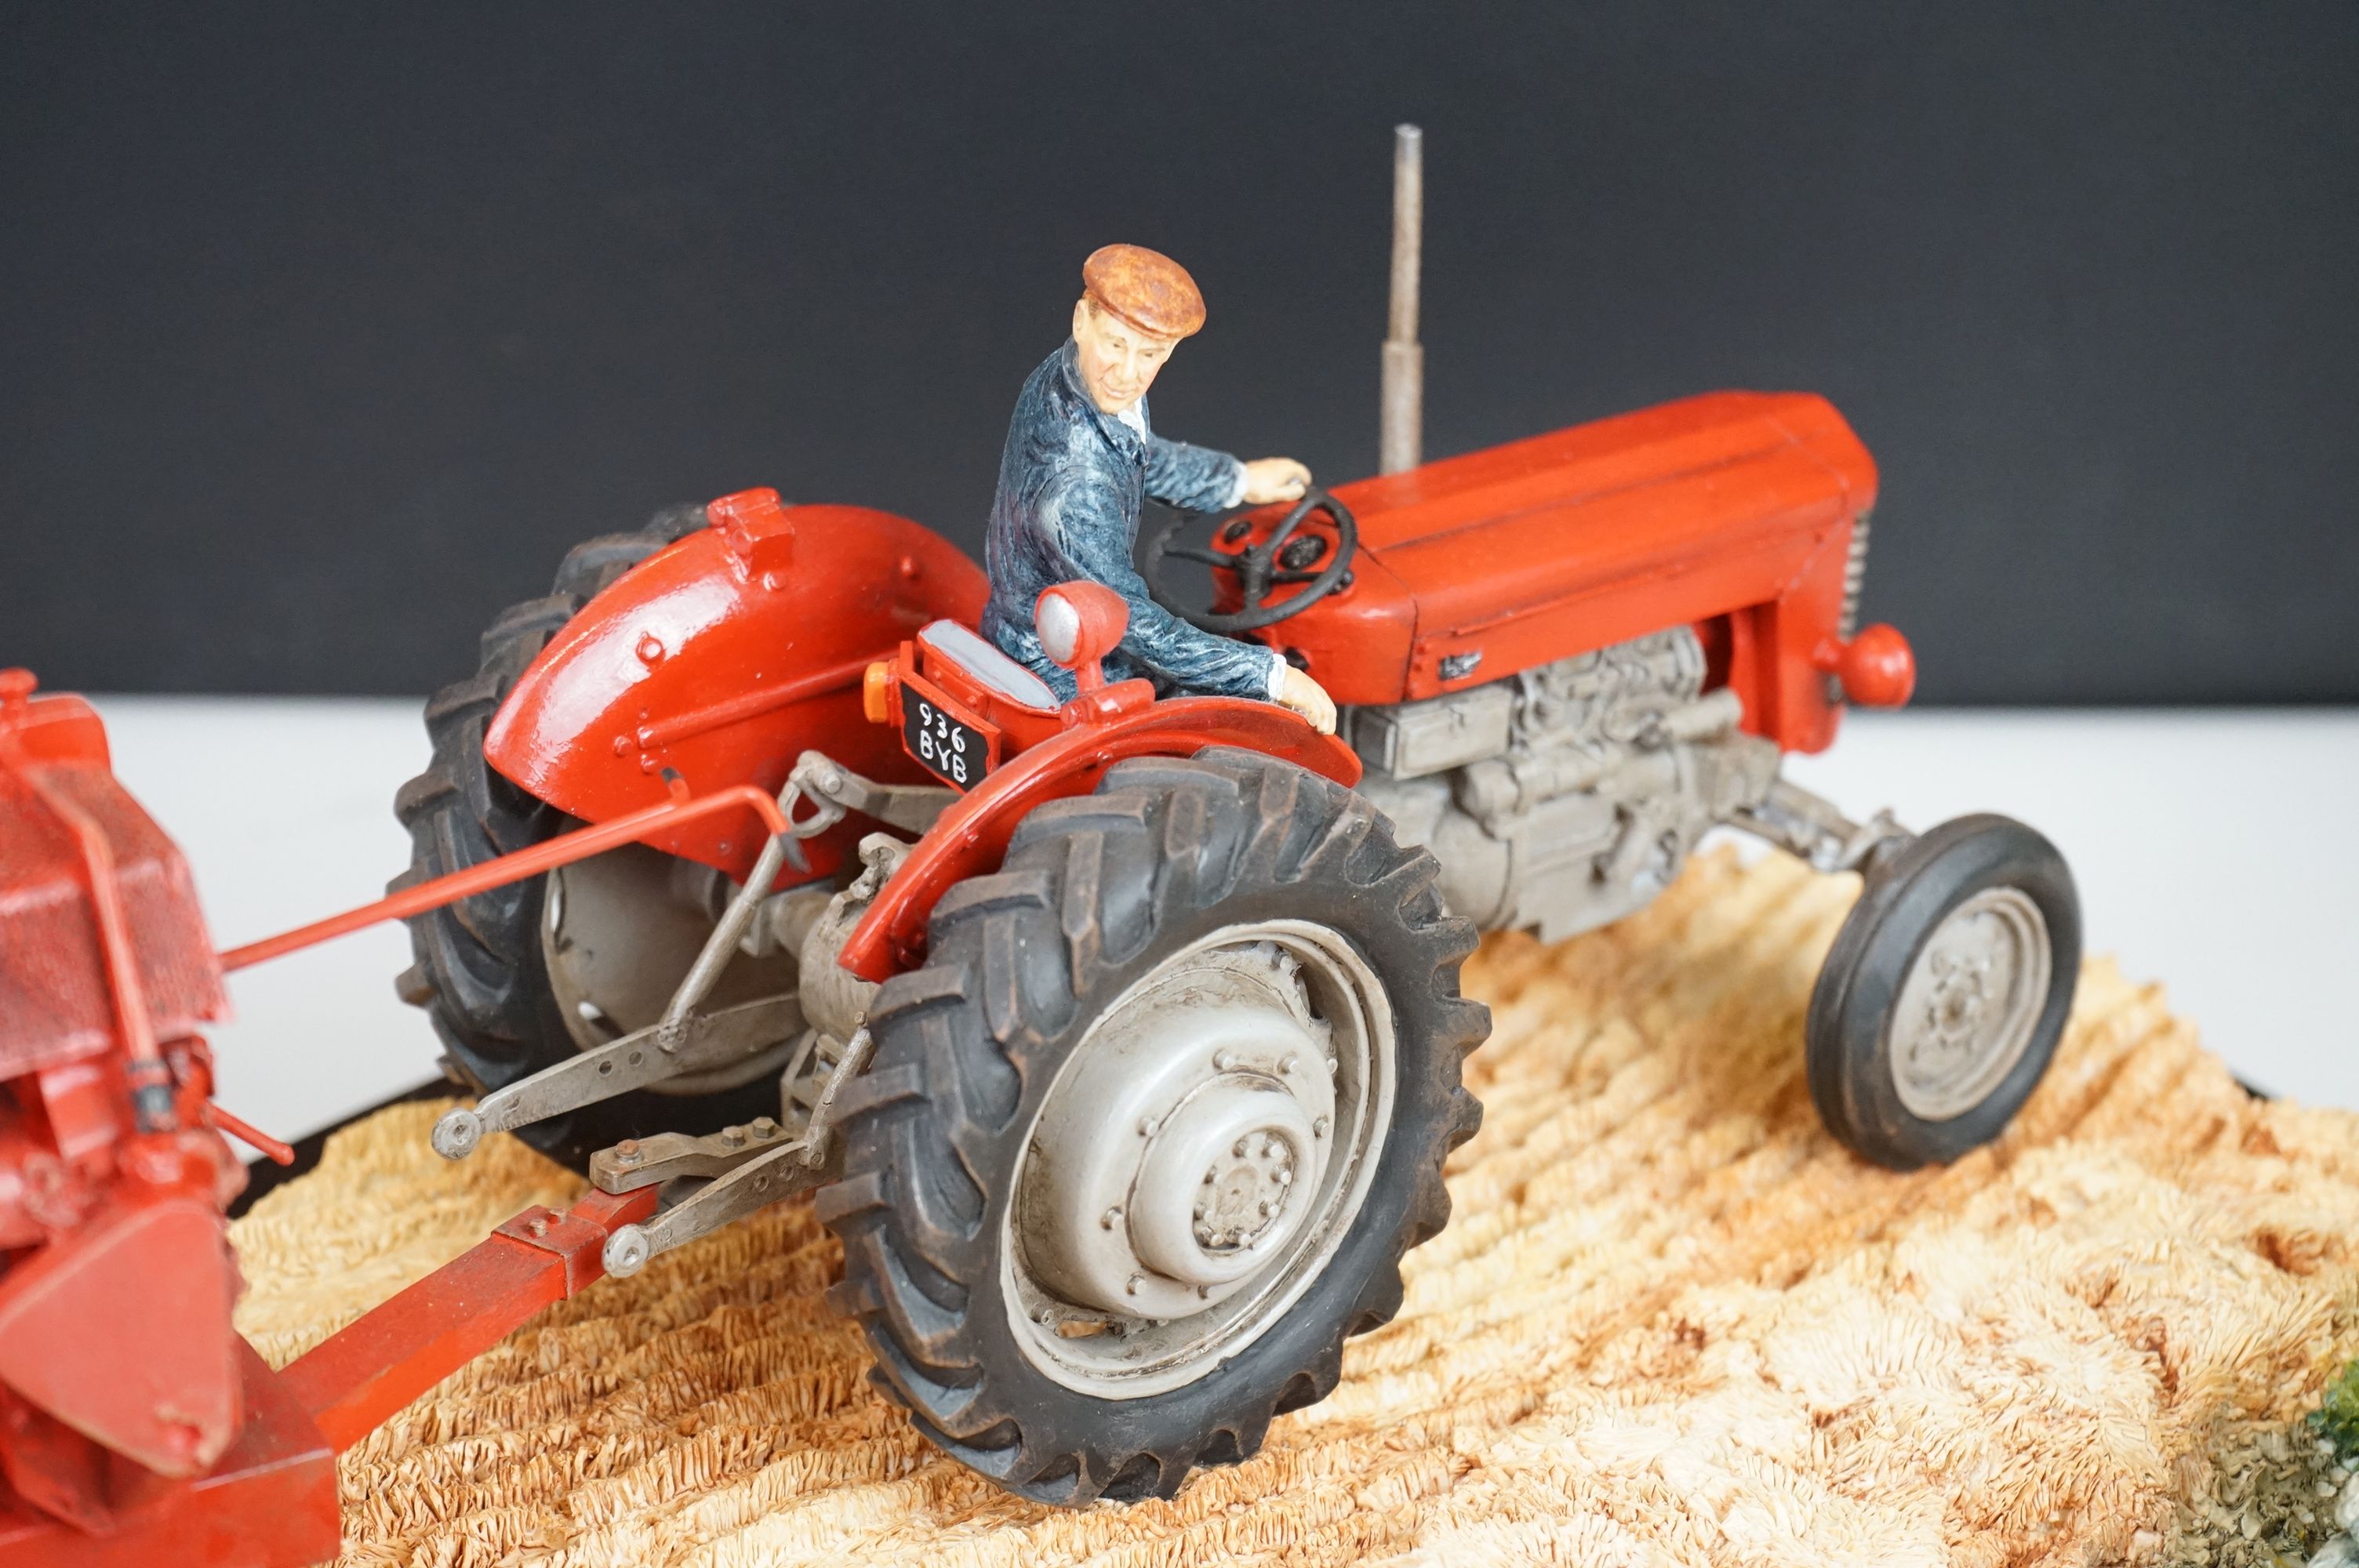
x=2337 y=1416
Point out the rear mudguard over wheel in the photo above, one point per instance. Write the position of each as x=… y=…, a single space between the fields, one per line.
x=1147 y=1135
x=481 y=971
x=1945 y=992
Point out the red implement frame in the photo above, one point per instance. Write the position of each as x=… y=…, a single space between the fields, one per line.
x=352 y=1382
x=270 y=1501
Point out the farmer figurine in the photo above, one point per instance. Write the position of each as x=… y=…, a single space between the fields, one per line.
x=1081 y=455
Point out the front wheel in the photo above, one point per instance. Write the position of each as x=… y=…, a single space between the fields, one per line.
x=1148 y=1136
x=1945 y=992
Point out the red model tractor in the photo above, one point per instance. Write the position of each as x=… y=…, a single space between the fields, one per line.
x=1121 y=1037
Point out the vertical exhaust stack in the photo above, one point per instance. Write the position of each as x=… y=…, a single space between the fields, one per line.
x=1402 y=440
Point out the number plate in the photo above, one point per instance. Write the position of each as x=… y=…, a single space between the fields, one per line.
x=953 y=744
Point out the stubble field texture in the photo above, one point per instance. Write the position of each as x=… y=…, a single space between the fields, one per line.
x=1671 y=1322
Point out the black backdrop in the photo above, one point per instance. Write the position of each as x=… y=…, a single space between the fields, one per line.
x=323 y=331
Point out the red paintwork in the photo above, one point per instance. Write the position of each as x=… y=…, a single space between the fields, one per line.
x=1734 y=508
x=708 y=669
x=1021 y=725
x=57 y=1004
x=1101 y=616
x=352 y=1382
x=246 y=1132
x=1732 y=513
x=1063 y=751
x=122 y=1330
x=728 y=653
x=115 y=1277
x=1877 y=668
x=970 y=837
x=270 y=1503
x=722 y=657
x=136 y=1426
x=118 y=1366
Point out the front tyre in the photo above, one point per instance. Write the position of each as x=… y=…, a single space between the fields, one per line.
x=1945 y=992
x=1148 y=1136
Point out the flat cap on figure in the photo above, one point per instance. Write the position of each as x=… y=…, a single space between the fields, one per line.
x=1145 y=288
x=1082 y=457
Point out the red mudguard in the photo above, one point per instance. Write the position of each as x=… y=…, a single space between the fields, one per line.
x=721 y=658
x=970 y=837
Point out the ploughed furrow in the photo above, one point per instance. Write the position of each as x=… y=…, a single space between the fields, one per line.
x=1670 y=1318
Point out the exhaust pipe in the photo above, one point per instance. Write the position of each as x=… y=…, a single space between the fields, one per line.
x=1401 y=440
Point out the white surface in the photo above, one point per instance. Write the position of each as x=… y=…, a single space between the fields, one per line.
x=285 y=809
x=2216 y=850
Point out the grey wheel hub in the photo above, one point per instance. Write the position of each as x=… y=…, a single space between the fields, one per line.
x=1971 y=1003
x=1243 y=1194
x=1201 y=1153
x=618 y=932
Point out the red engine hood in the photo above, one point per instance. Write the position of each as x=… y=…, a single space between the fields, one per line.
x=1517 y=554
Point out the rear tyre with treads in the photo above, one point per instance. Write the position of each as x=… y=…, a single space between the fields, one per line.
x=1245 y=940
x=478 y=968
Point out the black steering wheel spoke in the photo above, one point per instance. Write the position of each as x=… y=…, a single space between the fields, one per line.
x=1281 y=559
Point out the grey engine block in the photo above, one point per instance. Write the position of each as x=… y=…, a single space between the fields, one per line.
x=1567 y=796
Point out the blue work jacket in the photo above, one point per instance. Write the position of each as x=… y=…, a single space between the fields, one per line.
x=1070 y=480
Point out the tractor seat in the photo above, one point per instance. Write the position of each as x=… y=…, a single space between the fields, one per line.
x=979 y=657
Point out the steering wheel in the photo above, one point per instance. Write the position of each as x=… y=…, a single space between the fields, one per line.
x=1279 y=561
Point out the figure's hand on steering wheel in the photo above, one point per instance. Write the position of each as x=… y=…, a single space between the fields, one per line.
x=1274 y=478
